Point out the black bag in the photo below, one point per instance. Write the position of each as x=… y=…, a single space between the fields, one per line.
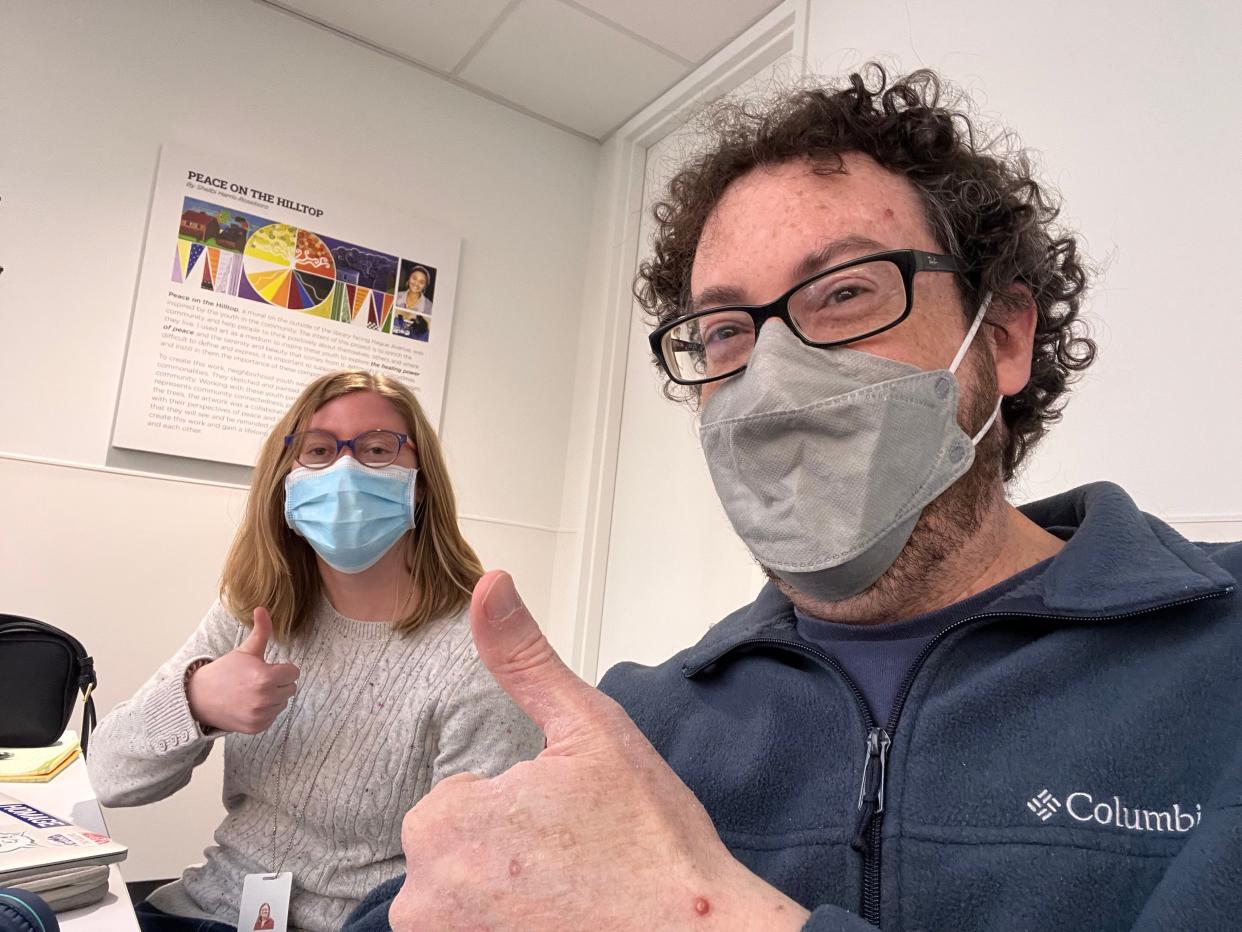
x=42 y=671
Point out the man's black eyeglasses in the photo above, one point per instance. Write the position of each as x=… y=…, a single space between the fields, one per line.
x=842 y=304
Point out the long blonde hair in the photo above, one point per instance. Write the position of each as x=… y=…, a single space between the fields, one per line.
x=271 y=566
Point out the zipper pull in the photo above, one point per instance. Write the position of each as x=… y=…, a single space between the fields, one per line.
x=871 y=793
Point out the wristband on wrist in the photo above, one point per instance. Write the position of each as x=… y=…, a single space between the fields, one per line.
x=185 y=684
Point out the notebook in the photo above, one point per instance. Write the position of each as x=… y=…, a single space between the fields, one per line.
x=38 y=765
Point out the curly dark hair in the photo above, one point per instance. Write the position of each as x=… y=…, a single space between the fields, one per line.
x=980 y=198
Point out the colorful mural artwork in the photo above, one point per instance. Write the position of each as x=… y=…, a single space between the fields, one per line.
x=249 y=257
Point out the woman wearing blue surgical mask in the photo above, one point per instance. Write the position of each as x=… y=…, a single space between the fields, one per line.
x=337 y=667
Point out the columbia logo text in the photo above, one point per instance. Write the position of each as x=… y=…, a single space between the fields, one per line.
x=1083 y=807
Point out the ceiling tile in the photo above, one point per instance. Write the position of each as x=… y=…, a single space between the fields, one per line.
x=568 y=66
x=692 y=29
x=436 y=33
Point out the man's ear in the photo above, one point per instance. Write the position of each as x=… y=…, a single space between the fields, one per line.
x=1011 y=333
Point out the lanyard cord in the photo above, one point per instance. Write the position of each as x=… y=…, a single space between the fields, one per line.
x=284 y=742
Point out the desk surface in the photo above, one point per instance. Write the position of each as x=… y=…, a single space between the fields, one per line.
x=69 y=795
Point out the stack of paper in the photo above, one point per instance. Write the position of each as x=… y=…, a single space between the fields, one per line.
x=38 y=765
x=52 y=857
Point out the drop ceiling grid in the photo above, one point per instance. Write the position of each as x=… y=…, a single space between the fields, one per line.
x=583 y=65
x=570 y=66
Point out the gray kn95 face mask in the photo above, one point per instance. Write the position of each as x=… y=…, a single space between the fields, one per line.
x=825 y=458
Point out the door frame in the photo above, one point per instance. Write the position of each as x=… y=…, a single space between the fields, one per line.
x=604 y=344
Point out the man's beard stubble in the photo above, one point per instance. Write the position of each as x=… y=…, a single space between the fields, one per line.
x=950 y=521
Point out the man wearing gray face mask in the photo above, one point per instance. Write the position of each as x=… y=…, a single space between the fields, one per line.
x=944 y=712
x=848 y=286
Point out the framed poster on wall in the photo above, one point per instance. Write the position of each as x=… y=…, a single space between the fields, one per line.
x=255 y=281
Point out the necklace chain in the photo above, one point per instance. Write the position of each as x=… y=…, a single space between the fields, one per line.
x=284 y=742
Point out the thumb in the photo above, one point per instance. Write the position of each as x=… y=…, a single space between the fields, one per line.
x=260 y=633
x=513 y=648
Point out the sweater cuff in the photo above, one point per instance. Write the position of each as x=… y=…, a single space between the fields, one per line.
x=166 y=715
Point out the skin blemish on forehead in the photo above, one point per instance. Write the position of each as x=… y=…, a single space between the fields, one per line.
x=515 y=867
x=888 y=212
x=701 y=906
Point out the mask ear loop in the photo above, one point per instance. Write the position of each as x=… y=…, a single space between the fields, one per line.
x=970 y=334
x=961 y=354
x=974 y=441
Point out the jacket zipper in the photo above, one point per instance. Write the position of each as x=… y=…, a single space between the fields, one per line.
x=866 y=838
x=867 y=829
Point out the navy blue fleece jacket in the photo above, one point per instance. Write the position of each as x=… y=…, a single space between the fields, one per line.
x=1070 y=758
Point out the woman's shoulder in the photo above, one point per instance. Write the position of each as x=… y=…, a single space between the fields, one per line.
x=220 y=613
x=220 y=622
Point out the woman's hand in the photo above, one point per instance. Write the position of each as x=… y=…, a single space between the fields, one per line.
x=241 y=691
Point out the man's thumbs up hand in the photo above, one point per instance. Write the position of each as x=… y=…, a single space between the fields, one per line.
x=241 y=691
x=595 y=833
x=573 y=716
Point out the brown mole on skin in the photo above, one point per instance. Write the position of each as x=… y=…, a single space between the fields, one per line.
x=701 y=906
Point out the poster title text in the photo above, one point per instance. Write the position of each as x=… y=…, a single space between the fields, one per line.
x=224 y=184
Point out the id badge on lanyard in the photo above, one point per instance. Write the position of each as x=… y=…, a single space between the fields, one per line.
x=265 y=902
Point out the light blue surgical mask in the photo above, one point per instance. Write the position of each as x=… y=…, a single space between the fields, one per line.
x=349 y=513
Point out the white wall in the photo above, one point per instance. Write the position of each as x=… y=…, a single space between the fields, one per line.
x=1132 y=112
x=89 y=91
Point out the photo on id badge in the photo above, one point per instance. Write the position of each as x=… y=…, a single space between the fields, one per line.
x=265 y=902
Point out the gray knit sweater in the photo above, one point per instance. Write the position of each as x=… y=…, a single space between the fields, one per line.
x=430 y=709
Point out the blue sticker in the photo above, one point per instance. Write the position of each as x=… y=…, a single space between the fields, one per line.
x=31 y=816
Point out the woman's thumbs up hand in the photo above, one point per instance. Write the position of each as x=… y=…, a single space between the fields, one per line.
x=241 y=691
